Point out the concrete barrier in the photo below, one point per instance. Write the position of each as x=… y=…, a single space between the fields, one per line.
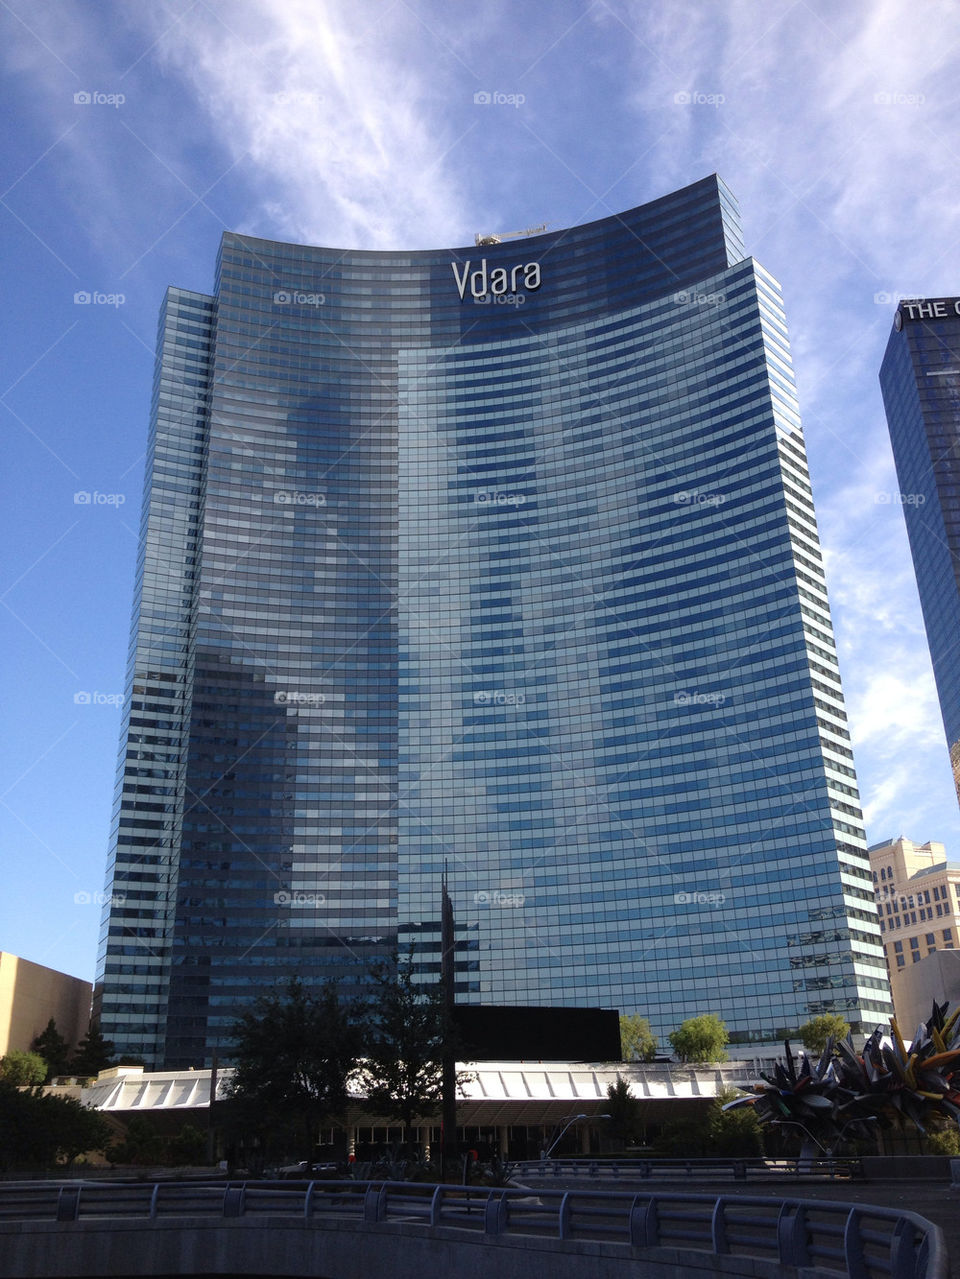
x=340 y=1250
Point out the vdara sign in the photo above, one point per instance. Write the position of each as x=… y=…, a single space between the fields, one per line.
x=918 y=309
x=499 y=281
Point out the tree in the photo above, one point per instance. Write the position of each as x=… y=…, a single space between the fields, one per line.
x=295 y=1054
x=734 y=1133
x=701 y=1039
x=637 y=1040
x=624 y=1111
x=402 y=1072
x=22 y=1068
x=944 y=1141
x=815 y=1033
x=39 y=1130
x=75 y=1128
x=189 y=1146
x=54 y=1050
x=141 y=1144
x=93 y=1053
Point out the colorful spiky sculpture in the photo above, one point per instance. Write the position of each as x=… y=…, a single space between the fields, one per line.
x=844 y=1093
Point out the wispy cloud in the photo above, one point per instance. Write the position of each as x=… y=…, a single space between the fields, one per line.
x=336 y=114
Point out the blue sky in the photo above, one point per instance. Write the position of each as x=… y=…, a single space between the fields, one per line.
x=135 y=134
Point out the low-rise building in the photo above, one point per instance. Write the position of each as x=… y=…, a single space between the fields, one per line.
x=918 y=897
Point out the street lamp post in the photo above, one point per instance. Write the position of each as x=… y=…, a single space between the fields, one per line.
x=571 y=1120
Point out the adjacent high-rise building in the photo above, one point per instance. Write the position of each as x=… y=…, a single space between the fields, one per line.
x=920 y=381
x=501 y=560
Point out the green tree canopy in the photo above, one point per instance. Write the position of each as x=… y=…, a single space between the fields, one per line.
x=54 y=1050
x=637 y=1040
x=624 y=1111
x=733 y=1133
x=295 y=1054
x=93 y=1053
x=701 y=1039
x=140 y=1144
x=815 y=1033
x=402 y=1072
x=21 y=1068
x=38 y=1130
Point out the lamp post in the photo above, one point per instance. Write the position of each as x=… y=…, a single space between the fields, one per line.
x=571 y=1120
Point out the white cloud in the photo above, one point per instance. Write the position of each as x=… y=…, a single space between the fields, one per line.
x=836 y=133
x=338 y=118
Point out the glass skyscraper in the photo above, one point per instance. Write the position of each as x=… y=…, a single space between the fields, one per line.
x=920 y=381
x=501 y=560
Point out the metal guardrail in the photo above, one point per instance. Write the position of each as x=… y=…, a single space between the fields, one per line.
x=716 y=1169
x=857 y=1240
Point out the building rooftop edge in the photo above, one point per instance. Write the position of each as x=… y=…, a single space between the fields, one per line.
x=538 y=240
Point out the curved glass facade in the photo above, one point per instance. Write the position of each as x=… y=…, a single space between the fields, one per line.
x=504 y=560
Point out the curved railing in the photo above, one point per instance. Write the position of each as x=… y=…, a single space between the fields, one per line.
x=756 y=1168
x=857 y=1240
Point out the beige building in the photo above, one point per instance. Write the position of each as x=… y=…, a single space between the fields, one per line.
x=918 y=898
x=935 y=977
x=31 y=994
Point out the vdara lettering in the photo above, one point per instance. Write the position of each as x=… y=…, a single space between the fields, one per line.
x=499 y=281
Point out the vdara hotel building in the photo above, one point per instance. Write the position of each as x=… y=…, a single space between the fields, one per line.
x=920 y=381
x=504 y=560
